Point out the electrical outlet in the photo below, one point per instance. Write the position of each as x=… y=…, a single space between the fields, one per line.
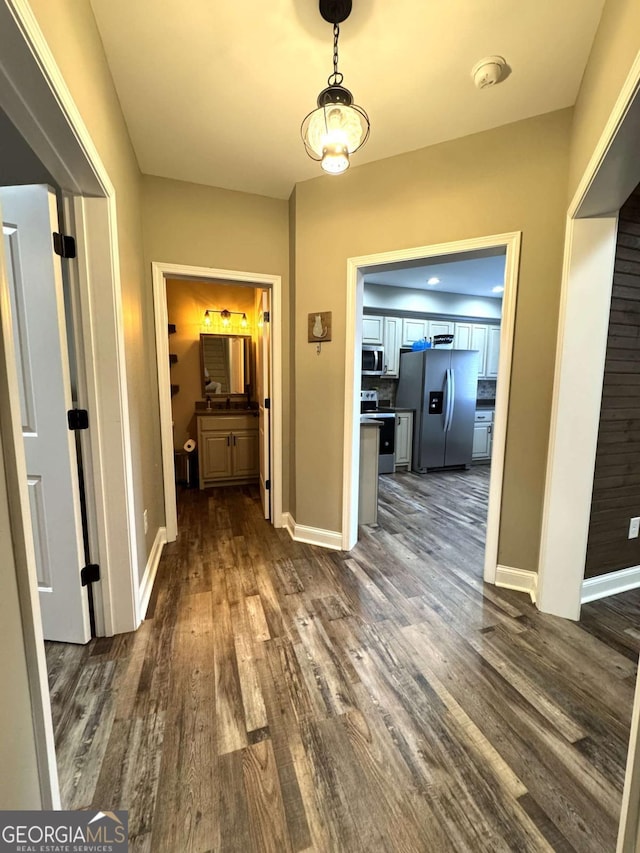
x=634 y=527
x=145 y=516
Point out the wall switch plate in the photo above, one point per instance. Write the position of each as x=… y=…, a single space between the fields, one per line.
x=145 y=516
x=634 y=527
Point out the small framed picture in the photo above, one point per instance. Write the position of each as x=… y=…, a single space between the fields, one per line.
x=320 y=326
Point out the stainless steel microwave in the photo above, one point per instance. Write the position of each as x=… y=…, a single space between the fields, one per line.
x=373 y=361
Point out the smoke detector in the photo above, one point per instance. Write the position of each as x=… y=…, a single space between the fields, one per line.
x=489 y=71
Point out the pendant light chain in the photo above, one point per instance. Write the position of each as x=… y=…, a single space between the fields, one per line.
x=336 y=78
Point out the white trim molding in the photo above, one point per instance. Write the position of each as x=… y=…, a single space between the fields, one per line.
x=521 y=580
x=312 y=535
x=160 y=273
x=151 y=569
x=602 y=586
x=510 y=242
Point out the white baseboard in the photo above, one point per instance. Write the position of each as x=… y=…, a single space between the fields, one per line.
x=311 y=535
x=610 y=584
x=146 y=584
x=521 y=580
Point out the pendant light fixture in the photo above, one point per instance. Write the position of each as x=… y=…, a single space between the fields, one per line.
x=338 y=127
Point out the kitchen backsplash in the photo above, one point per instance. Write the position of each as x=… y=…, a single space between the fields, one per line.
x=387 y=389
x=486 y=389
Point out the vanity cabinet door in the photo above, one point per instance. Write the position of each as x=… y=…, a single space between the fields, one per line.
x=246 y=462
x=216 y=449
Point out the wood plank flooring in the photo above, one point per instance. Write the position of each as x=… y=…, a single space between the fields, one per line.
x=281 y=697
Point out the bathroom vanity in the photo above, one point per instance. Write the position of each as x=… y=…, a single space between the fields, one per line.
x=228 y=447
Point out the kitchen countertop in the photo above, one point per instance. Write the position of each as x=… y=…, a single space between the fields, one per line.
x=369 y=420
x=222 y=412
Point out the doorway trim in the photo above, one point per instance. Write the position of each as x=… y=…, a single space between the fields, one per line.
x=160 y=273
x=510 y=242
x=36 y=98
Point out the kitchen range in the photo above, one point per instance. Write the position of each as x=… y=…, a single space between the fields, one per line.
x=387 y=418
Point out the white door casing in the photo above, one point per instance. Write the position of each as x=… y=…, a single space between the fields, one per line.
x=263 y=358
x=510 y=242
x=34 y=275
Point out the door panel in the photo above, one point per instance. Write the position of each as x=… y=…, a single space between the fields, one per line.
x=246 y=456
x=217 y=456
x=34 y=278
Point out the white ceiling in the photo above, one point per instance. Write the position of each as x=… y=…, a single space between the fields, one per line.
x=214 y=92
x=472 y=276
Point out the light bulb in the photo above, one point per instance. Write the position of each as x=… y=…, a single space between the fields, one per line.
x=243 y=322
x=226 y=317
x=207 y=318
x=335 y=124
x=335 y=159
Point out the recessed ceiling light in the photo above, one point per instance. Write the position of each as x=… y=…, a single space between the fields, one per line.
x=498 y=289
x=433 y=280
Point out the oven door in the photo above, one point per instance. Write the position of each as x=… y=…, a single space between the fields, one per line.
x=372 y=361
x=387 y=452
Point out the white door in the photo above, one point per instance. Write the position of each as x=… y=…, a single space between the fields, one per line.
x=34 y=278
x=414 y=330
x=462 y=336
x=263 y=365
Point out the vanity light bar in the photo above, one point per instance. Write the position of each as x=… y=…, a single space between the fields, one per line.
x=225 y=316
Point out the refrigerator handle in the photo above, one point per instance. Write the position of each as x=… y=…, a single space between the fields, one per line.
x=452 y=396
x=448 y=389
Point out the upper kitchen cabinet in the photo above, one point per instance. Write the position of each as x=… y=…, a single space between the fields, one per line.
x=372 y=330
x=414 y=331
x=442 y=327
x=392 y=335
x=493 y=352
x=475 y=336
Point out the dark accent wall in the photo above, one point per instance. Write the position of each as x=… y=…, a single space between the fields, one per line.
x=616 y=486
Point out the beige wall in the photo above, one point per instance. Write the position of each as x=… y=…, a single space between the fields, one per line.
x=205 y=226
x=614 y=50
x=70 y=30
x=509 y=179
x=186 y=303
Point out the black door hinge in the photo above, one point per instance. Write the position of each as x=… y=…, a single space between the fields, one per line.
x=78 y=419
x=267 y=402
x=266 y=317
x=90 y=574
x=267 y=485
x=64 y=245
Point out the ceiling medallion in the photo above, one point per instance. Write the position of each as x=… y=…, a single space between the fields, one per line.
x=338 y=127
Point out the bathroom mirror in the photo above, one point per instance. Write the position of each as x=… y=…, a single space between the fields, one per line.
x=225 y=362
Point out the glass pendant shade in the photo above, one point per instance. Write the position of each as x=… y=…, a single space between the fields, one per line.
x=336 y=129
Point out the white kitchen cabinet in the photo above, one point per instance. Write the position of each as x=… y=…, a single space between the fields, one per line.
x=462 y=335
x=493 y=352
x=392 y=335
x=475 y=336
x=479 y=338
x=372 y=330
x=441 y=327
x=482 y=434
x=404 y=439
x=413 y=331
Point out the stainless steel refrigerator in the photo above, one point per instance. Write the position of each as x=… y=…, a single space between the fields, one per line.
x=441 y=385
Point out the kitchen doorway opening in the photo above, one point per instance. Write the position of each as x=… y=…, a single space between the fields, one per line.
x=267 y=341
x=506 y=246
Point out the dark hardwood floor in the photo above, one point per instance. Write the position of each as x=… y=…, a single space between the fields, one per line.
x=281 y=697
